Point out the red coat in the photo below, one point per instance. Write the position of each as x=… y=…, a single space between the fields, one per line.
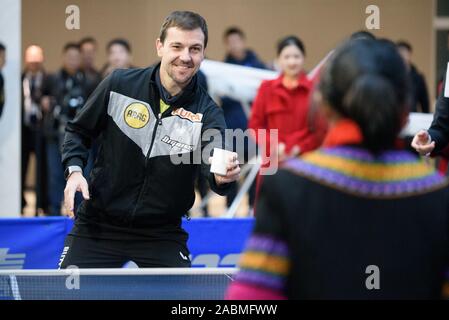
x=287 y=110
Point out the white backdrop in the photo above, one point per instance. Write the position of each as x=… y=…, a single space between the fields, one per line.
x=241 y=83
x=10 y=36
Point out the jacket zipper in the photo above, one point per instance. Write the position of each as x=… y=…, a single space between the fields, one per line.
x=142 y=189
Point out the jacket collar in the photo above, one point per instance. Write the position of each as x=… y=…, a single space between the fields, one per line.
x=185 y=97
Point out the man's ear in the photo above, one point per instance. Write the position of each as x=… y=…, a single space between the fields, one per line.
x=159 y=46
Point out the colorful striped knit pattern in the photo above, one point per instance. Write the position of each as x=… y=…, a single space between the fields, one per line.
x=265 y=263
x=355 y=170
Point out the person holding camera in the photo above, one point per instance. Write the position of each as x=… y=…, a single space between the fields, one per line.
x=64 y=94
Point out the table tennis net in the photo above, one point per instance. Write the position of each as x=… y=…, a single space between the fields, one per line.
x=116 y=284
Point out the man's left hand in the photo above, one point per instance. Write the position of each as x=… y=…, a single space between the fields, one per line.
x=233 y=173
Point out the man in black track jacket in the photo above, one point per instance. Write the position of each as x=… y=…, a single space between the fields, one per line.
x=151 y=124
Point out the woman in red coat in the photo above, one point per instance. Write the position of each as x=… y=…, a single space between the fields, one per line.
x=283 y=104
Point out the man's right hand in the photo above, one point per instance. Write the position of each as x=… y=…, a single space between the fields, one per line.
x=76 y=182
x=422 y=143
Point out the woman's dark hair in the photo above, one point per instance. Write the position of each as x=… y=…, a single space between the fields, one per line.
x=366 y=81
x=121 y=42
x=362 y=34
x=291 y=40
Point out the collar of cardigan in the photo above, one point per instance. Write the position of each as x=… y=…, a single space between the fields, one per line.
x=343 y=132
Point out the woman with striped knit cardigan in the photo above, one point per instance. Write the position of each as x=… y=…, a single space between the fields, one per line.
x=358 y=218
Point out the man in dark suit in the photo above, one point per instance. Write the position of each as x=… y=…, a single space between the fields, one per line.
x=436 y=138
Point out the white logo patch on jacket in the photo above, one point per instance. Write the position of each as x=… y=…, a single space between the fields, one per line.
x=177 y=134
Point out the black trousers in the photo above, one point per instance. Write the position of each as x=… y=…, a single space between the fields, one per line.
x=33 y=141
x=85 y=252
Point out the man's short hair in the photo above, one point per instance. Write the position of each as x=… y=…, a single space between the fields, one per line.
x=233 y=30
x=85 y=40
x=121 y=42
x=184 y=20
x=405 y=45
x=71 y=45
x=2 y=47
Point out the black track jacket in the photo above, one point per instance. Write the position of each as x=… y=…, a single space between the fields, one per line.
x=135 y=183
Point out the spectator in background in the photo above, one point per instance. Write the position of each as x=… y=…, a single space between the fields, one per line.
x=33 y=140
x=2 y=82
x=420 y=96
x=283 y=104
x=64 y=94
x=88 y=47
x=323 y=219
x=119 y=56
x=238 y=53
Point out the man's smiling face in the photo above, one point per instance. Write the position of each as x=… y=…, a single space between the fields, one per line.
x=181 y=54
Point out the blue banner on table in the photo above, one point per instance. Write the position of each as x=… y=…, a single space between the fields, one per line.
x=36 y=243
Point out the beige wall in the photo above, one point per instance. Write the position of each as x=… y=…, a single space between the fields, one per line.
x=320 y=23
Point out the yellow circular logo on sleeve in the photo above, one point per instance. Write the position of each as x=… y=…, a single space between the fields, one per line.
x=137 y=115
